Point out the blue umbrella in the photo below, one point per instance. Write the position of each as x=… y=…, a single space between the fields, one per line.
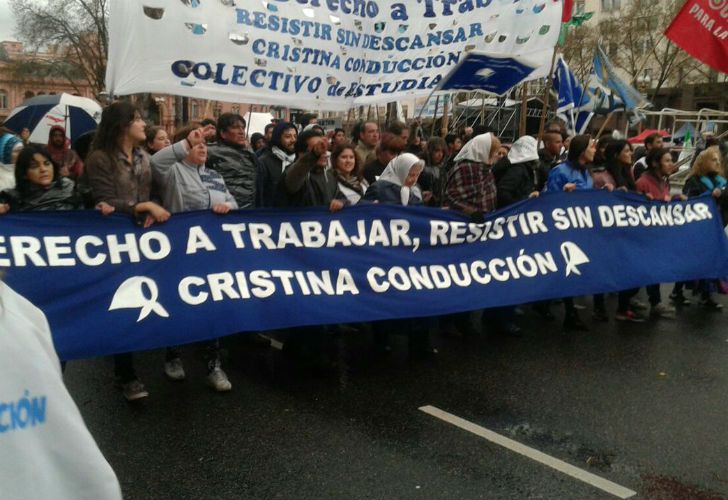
x=77 y=115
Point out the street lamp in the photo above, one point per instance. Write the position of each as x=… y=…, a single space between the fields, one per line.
x=644 y=82
x=161 y=107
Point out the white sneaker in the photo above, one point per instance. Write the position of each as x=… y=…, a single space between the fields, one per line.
x=174 y=369
x=662 y=310
x=217 y=379
x=134 y=390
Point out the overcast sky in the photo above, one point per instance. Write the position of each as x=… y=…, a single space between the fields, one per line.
x=7 y=22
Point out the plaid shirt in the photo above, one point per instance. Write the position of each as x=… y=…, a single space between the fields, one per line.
x=470 y=188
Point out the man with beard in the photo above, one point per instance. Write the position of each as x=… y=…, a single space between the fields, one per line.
x=232 y=158
x=274 y=161
x=61 y=153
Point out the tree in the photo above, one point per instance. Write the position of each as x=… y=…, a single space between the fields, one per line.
x=579 y=50
x=635 y=42
x=76 y=33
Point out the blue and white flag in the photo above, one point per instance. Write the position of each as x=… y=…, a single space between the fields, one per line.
x=489 y=73
x=575 y=105
x=615 y=93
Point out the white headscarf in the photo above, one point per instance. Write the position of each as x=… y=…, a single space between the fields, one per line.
x=476 y=149
x=523 y=150
x=397 y=172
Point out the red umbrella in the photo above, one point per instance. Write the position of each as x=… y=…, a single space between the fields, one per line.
x=638 y=139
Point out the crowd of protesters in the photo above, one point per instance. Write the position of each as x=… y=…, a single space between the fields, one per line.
x=134 y=168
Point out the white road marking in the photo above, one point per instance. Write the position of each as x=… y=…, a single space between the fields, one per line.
x=526 y=451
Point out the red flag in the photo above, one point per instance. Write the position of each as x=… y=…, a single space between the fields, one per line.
x=701 y=30
x=566 y=13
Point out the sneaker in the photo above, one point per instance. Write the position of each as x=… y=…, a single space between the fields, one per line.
x=637 y=304
x=629 y=315
x=174 y=369
x=710 y=304
x=600 y=315
x=217 y=379
x=134 y=390
x=662 y=310
x=679 y=299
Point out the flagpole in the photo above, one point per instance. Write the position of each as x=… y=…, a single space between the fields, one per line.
x=524 y=110
x=547 y=94
x=604 y=125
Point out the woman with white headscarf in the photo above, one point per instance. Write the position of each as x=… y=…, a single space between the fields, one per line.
x=396 y=185
x=518 y=175
x=470 y=187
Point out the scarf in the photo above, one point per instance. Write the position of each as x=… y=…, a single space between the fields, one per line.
x=350 y=181
x=286 y=159
x=476 y=150
x=712 y=183
x=397 y=172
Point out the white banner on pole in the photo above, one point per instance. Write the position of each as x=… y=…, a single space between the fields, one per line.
x=314 y=54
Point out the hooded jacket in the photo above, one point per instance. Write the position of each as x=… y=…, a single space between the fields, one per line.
x=64 y=156
x=185 y=187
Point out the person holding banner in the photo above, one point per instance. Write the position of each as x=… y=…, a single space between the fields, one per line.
x=470 y=186
x=571 y=175
x=39 y=185
x=706 y=176
x=345 y=163
x=618 y=173
x=232 y=159
x=120 y=178
x=396 y=186
x=470 y=189
x=273 y=162
x=396 y=183
x=185 y=185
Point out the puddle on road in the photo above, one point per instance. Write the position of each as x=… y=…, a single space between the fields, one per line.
x=669 y=488
x=544 y=440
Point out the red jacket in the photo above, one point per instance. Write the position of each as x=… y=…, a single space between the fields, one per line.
x=659 y=189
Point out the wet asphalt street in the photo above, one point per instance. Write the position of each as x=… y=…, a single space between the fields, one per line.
x=644 y=406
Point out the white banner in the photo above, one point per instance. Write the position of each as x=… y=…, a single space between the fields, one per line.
x=314 y=54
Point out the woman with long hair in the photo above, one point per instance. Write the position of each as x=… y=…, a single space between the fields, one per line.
x=120 y=176
x=345 y=163
x=708 y=176
x=39 y=185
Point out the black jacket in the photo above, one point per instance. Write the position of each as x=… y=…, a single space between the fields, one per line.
x=240 y=168
x=271 y=171
x=514 y=182
x=60 y=196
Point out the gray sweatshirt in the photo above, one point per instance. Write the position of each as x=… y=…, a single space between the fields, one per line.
x=185 y=187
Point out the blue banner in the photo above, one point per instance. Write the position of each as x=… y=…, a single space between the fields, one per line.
x=108 y=286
